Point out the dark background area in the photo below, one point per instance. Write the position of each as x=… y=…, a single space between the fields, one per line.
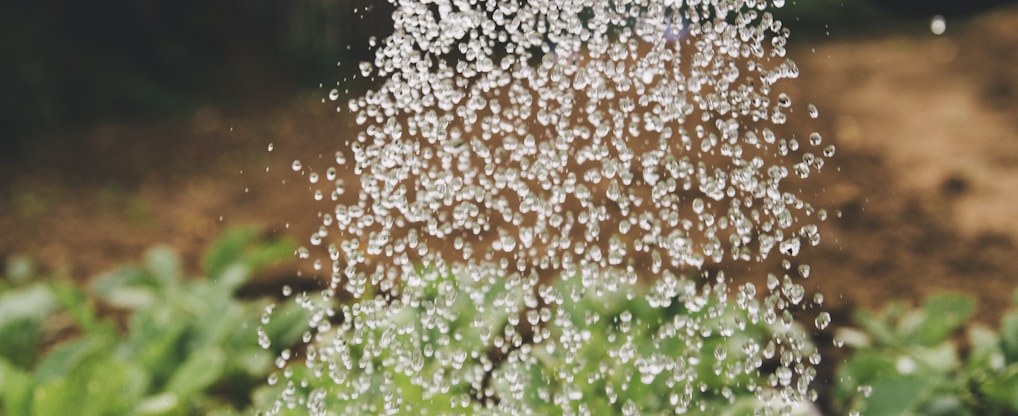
x=68 y=64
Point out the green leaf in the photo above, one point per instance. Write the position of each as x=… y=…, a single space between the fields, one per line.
x=881 y=326
x=201 y=370
x=238 y=253
x=163 y=404
x=69 y=355
x=232 y=276
x=863 y=368
x=20 y=342
x=155 y=341
x=288 y=323
x=231 y=318
x=164 y=265
x=22 y=314
x=254 y=362
x=942 y=358
x=79 y=306
x=33 y=303
x=986 y=354
x=945 y=405
x=895 y=395
x=20 y=269
x=16 y=387
x=128 y=287
x=99 y=385
x=227 y=250
x=1009 y=336
x=942 y=315
x=1003 y=391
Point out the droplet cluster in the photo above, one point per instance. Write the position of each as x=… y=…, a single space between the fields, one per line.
x=532 y=173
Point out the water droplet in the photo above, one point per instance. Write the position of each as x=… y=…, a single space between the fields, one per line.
x=784 y=101
x=838 y=341
x=822 y=320
x=634 y=137
x=815 y=139
x=296 y=166
x=813 y=111
x=938 y=25
x=271 y=146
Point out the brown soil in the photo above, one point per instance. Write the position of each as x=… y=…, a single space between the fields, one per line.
x=925 y=178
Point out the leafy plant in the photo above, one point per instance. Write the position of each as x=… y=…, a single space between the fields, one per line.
x=528 y=368
x=189 y=346
x=911 y=361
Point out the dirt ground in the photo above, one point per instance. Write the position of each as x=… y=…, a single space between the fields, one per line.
x=925 y=177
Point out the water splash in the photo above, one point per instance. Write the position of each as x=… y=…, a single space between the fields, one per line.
x=541 y=189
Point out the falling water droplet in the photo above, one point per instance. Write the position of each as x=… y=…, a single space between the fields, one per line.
x=512 y=169
x=815 y=139
x=822 y=320
x=938 y=25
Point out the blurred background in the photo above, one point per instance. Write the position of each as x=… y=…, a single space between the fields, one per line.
x=125 y=124
x=70 y=65
x=129 y=123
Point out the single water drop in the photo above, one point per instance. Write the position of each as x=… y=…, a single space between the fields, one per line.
x=815 y=139
x=823 y=320
x=829 y=151
x=938 y=25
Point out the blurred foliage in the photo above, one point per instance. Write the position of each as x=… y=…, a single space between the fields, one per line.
x=166 y=345
x=913 y=361
x=189 y=346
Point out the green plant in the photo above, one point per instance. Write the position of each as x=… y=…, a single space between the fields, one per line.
x=407 y=357
x=189 y=346
x=911 y=361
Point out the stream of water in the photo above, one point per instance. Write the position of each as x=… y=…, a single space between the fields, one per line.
x=548 y=195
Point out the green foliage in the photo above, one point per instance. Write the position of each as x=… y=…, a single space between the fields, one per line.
x=909 y=361
x=190 y=346
x=618 y=323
